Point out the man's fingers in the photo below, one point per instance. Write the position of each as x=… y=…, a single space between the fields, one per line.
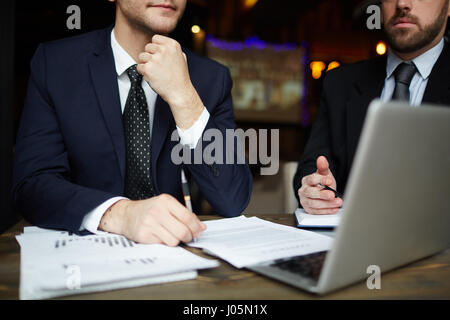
x=166 y=237
x=322 y=204
x=184 y=215
x=146 y=236
x=144 y=57
x=315 y=178
x=166 y=43
x=177 y=229
x=140 y=68
x=159 y=39
x=152 y=48
x=323 y=168
x=318 y=193
x=322 y=211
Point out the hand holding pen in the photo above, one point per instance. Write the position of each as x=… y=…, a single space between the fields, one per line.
x=318 y=193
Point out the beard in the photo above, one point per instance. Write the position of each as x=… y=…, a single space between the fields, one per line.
x=156 y=24
x=406 y=41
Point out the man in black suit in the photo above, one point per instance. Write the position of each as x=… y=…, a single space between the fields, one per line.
x=417 y=69
x=95 y=145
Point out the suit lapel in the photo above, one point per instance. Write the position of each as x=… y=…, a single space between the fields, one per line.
x=104 y=78
x=367 y=87
x=163 y=120
x=438 y=87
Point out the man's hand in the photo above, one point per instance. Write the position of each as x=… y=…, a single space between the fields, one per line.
x=164 y=67
x=313 y=198
x=160 y=219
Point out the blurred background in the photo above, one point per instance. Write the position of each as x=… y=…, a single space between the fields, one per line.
x=278 y=53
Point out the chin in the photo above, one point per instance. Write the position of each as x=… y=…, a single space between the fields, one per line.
x=162 y=29
x=161 y=24
x=402 y=38
x=408 y=45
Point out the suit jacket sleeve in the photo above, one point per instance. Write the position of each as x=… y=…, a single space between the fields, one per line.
x=42 y=188
x=319 y=142
x=227 y=187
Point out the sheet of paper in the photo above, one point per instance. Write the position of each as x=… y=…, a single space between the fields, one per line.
x=248 y=241
x=305 y=219
x=33 y=229
x=30 y=293
x=51 y=259
x=156 y=261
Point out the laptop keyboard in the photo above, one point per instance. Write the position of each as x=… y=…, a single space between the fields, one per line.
x=308 y=266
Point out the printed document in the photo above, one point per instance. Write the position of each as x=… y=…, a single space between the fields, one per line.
x=57 y=263
x=245 y=241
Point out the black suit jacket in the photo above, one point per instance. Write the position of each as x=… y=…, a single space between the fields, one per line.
x=347 y=93
x=70 y=150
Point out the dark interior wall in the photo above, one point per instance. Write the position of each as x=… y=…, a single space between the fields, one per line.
x=45 y=20
x=6 y=109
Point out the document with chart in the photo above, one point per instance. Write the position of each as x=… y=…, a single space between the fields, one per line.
x=55 y=263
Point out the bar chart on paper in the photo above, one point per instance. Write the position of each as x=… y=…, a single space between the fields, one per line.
x=112 y=241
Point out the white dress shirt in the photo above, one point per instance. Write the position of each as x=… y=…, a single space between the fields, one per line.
x=424 y=64
x=188 y=137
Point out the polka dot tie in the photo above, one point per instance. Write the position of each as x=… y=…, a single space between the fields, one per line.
x=138 y=178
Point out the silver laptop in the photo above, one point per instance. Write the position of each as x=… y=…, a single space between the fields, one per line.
x=397 y=201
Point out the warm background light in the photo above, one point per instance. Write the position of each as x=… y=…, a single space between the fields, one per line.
x=195 y=29
x=333 y=65
x=248 y=4
x=317 y=67
x=381 y=48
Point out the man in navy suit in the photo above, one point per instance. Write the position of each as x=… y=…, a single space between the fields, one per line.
x=416 y=70
x=94 y=146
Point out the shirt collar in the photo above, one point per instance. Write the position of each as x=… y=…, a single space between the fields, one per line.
x=424 y=63
x=122 y=59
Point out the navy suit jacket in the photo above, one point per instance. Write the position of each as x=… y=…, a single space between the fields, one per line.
x=70 y=149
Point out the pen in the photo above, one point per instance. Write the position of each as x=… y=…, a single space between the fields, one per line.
x=336 y=194
x=185 y=188
x=186 y=195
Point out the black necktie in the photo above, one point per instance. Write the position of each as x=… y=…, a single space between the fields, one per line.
x=138 y=178
x=403 y=76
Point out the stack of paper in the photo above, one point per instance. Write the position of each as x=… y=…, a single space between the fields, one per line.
x=55 y=263
x=306 y=220
x=245 y=241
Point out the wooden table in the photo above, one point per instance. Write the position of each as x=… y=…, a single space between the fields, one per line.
x=425 y=279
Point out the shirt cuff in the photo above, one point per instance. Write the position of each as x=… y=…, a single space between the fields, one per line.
x=191 y=136
x=91 y=221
